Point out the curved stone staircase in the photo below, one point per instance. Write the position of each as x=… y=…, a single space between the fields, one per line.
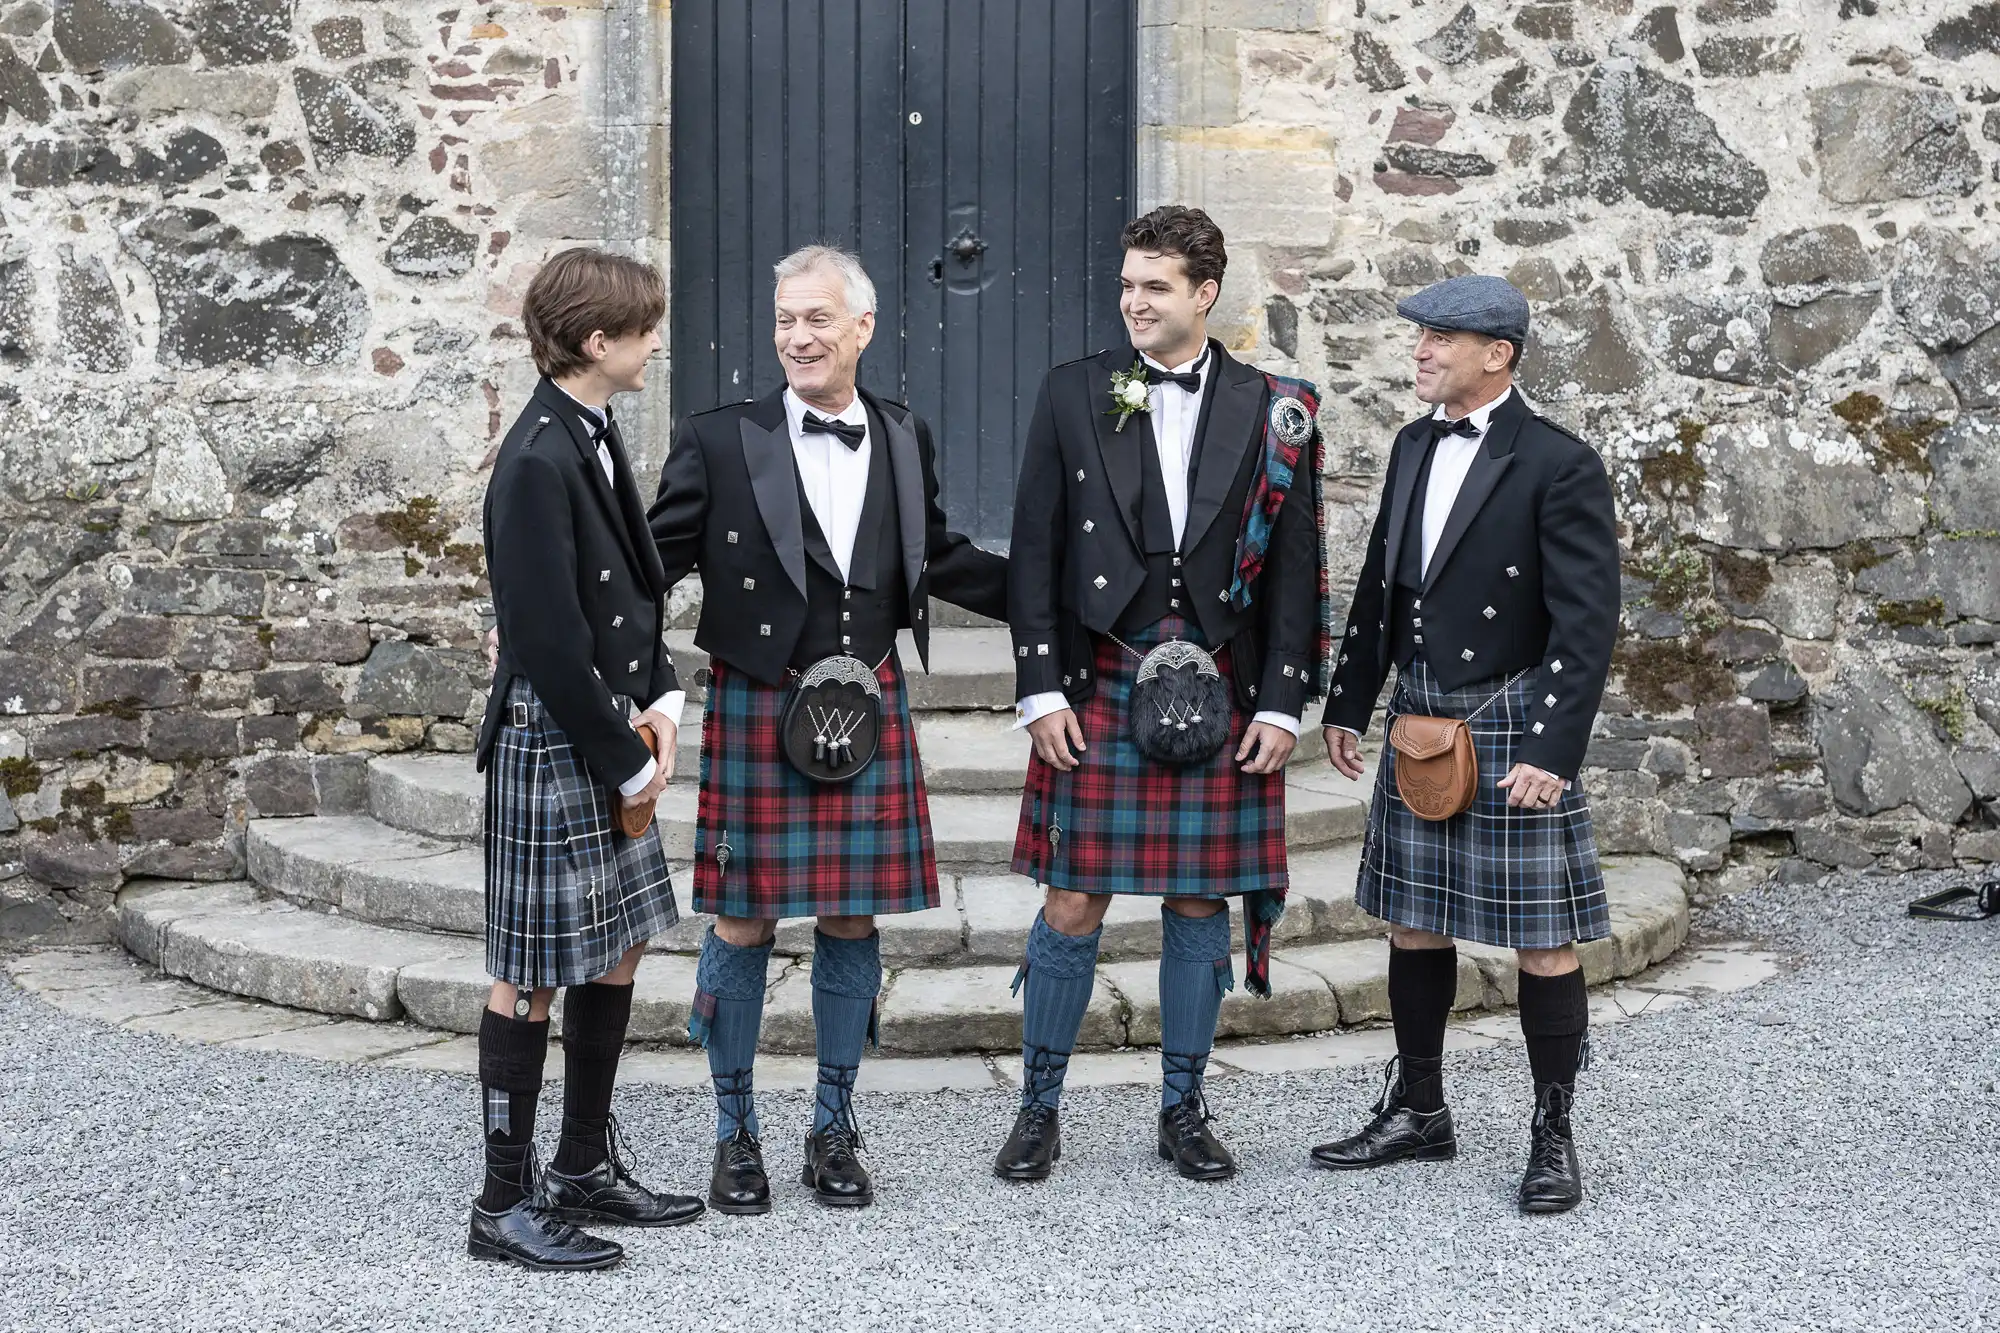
x=379 y=916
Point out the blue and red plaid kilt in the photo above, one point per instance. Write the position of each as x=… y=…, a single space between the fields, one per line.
x=799 y=847
x=1513 y=877
x=567 y=893
x=1120 y=823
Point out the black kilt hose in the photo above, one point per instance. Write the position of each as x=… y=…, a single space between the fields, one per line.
x=1496 y=874
x=567 y=893
x=771 y=842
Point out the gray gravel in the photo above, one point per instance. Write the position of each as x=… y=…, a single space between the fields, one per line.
x=1817 y=1152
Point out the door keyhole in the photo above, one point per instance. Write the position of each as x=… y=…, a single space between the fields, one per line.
x=937 y=273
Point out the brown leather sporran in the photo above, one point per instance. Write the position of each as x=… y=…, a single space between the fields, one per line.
x=634 y=821
x=1437 y=769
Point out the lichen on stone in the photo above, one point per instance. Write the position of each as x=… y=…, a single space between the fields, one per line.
x=1667 y=674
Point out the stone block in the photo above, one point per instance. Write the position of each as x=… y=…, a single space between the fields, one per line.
x=1735 y=740
x=1880 y=750
x=1878 y=142
x=1810 y=256
x=1636 y=133
x=225 y=1020
x=430 y=889
x=87 y=736
x=182 y=826
x=34 y=684
x=68 y=864
x=97 y=35
x=326 y=641
x=297 y=690
x=147 y=912
x=185 y=737
x=447 y=993
x=403 y=679
x=206 y=862
x=177 y=591
x=1947 y=293
x=934 y=1010
x=302 y=959
x=280 y=784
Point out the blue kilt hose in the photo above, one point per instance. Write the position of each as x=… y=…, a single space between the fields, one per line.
x=771 y=842
x=1500 y=875
x=1122 y=823
x=567 y=893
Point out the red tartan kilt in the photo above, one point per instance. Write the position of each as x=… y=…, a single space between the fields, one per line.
x=1120 y=823
x=799 y=847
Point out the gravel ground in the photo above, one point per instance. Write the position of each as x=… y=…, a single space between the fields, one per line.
x=1816 y=1152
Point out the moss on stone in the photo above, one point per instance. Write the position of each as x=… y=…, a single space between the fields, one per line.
x=266 y=635
x=118 y=824
x=1949 y=711
x=1690 y=433
x=126 y=709
x=22 y=777
x=1743 y=577
x=1859 y=411
x=1899 y=615
x=416 y=525
x=1661 y=675
x=1674 y=474
x=1679 y=576
x=412 y=566
x=1905 y=447
x=468 y=556
x=1858 y=555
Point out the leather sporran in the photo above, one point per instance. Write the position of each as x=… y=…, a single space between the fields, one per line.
x=1437 y=768
x=832 y=723
x=1180 y=710
x=635 y=820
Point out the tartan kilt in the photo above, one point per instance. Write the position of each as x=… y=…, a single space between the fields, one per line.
x=1120 y=823
x=1517 y=878
x=567 y=893
x=799 y=847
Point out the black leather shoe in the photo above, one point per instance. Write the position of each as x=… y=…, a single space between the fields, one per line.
x=1553 y=1182
x=738 y=1184
x=608 y=1194
x=528 y=1235
x=1032 y=1150
x=1187 y=1142
x=833 y=1169
x=1395 y=1134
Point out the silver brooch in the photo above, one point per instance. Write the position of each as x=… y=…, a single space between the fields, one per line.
x=1290 y=421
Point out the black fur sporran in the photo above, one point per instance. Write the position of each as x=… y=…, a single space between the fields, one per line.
x=1180 y=710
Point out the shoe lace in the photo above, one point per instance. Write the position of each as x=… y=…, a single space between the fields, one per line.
x=842 y=1135
x=1044 y=1071
x=734 y=1087
x=1190 y=1115
x=535 y=1181
x=740 y=1150
x=1034 y=1121
x=618 y=1149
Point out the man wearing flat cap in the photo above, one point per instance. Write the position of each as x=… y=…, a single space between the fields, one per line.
x=1491 y=585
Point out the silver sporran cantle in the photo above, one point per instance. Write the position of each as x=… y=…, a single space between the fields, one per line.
x=832 y=723
x=1180 y=711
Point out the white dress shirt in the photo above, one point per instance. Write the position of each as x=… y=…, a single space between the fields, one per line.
x=835 y=477
x=674 y=702
x=1176 y=412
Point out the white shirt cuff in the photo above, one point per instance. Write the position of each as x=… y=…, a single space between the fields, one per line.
x=1038 y=706
x=1349 y=730
x=670 y=706
x=1282 y=720
x=635 y=784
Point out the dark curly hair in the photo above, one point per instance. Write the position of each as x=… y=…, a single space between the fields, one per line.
x=1188 y=233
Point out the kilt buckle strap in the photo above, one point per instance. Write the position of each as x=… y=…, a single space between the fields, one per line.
x=520 y=713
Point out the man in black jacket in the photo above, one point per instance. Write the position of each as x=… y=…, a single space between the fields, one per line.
x=1168 y=509
x=570 y=899
x=1491 y=584
x=812 y=514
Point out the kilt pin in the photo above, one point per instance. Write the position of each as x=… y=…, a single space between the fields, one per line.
x=567 y=893
x=1499 y=875
x=770 y=842
x=1121 y=823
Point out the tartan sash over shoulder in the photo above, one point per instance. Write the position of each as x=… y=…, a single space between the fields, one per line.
x=1277 y=474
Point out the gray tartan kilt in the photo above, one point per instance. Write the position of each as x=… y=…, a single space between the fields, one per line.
x=1517 y=878
x=567 y=893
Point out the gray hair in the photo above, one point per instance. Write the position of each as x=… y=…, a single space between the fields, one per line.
x=809 y=258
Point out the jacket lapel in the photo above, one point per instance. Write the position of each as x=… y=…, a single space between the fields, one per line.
x=1118 y=451
x=627 y=488
x=1232 y=419
x=774 y=480
x=571 y=414
x=906 y=468
x=1411 y=464
x=1480 y=479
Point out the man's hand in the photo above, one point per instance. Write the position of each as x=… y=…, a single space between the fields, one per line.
x=1056 y=736
x=1271 y=745
x=650 y=794
x=1343 y=750
x=1530 y=787
x=669 y=735
x=493 y=649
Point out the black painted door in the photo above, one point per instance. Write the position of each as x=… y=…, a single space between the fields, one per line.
x=978 y=154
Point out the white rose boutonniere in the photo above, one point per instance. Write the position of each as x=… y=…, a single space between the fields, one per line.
x=1129 y=393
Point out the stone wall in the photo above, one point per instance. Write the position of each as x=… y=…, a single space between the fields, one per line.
x=260 y=272
x=1760 y=238
x=261 y=261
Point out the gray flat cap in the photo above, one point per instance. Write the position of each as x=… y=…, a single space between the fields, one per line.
x=1476 y=303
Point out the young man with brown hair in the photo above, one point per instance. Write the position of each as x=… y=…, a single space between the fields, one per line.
x=1167 y=597
x=570 y=899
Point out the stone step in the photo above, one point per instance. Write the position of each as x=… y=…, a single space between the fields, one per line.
x=440 y=797
x=969 y=668
x=228 y=938
x=365 y=871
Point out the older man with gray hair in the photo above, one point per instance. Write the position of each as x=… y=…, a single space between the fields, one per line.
x=813 y=518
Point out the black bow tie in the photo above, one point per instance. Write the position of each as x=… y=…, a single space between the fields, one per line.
x=1187 y=379
x=1443 y=426
x=849 y=433
x=600 y=431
